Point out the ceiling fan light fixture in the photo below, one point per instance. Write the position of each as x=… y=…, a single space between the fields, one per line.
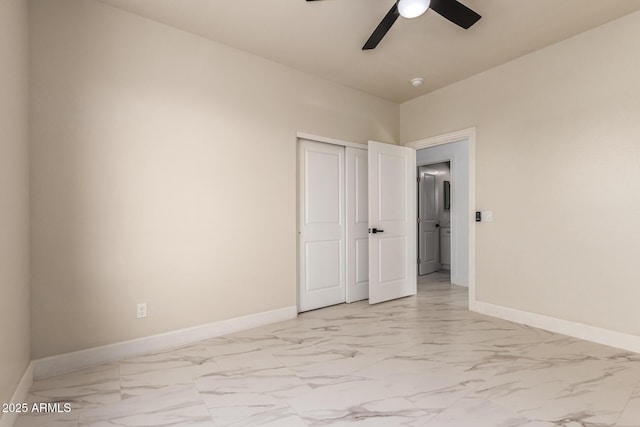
x=412 y=8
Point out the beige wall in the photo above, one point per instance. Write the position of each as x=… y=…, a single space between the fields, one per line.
x=558 y=161
x=14 y=199
x=164 y=171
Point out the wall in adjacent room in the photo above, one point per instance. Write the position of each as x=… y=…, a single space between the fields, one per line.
x=14 y=196
x=164 y=171
x=558 y=163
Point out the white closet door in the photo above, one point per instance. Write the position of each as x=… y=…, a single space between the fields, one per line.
x=357 y=224
x=322 y=228
x=392 y=222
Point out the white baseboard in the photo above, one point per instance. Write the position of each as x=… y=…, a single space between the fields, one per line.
x=565 y=327
x=19 y=396
x=64 y=363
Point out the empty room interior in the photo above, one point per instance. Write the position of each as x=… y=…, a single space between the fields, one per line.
x=320 y=213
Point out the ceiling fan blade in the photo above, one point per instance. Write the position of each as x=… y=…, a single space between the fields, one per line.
x=382 y=28
x=455 y=12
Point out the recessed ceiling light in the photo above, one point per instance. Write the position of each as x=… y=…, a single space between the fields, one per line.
x=417 y=81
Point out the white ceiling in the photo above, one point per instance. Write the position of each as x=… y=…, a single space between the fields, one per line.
x=325 y=37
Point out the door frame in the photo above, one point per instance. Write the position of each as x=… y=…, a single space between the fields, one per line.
x=468 y=135
x=326 y=140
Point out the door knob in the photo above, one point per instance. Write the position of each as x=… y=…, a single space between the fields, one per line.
x=375 y=231
x=437 y=225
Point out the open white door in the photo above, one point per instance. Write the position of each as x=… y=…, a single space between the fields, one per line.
x=428 y=227
x=392 y=222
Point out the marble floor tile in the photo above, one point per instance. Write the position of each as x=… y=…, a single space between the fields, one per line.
x=140 y=375
x=234 y=395
x=85 y=389
x=276 y=416
x=421 y=361
x=429 y=385
x=332 y=371
x=47 y=420
x=482 y=413
x=171 y=406
x=360 y=400
x=630 y=416
x=243 y=343
x=590 y=391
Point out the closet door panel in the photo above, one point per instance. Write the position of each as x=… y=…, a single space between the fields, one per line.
x=322 y=252
x=357 y=219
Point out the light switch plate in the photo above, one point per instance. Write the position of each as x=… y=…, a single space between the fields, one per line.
x=487 y=216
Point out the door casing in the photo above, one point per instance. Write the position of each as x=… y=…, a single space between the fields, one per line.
x=468 y=137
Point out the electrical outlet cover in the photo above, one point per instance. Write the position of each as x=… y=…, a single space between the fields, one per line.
x=141 y=310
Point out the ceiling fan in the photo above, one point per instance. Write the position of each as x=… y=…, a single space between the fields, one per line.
x=452 y=10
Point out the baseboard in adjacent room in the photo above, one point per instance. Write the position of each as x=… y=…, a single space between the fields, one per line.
x=19 y=396
x=68 y=362
x=565 y=327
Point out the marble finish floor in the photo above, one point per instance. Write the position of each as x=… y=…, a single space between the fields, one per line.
x=418 y=361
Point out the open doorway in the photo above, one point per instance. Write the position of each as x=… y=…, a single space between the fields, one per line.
x=457 y=150
x=434 y=219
